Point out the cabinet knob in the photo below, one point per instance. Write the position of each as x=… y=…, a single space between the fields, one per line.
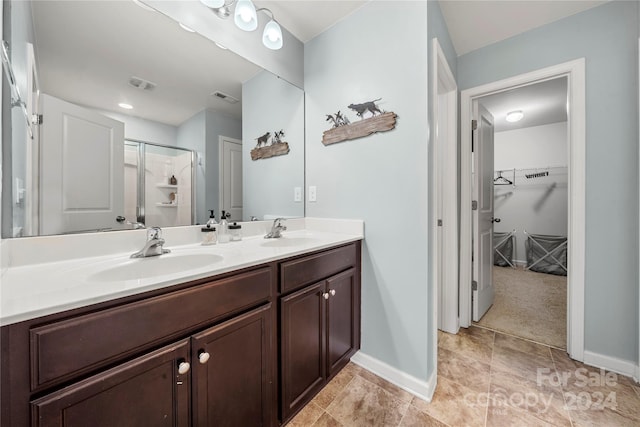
x=203 y=357
x=332 y=292
x=325 y=295
x=183 y=367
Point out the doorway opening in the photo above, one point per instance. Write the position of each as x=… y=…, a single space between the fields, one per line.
x=525 y=251
x=574 y=73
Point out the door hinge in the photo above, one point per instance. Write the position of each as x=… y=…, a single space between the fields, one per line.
x=439 y=223
x=474 y=285
x=37 y=119
x=474 y=205
x=474 y=125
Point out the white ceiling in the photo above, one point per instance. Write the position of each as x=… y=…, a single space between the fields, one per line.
x=542 y=103
x=474 y=24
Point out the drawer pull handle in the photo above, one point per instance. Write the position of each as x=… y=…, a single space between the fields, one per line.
x=183 y=367
x=203 y=357
x=332 y=292
x=325 y=295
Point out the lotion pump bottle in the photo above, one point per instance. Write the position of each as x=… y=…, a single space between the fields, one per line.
x=223 y=232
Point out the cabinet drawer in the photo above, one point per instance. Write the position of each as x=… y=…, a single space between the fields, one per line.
x=63 y=350
x=307 y=270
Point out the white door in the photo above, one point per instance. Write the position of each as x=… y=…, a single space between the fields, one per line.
x=483 y=215
x=82 y=169
x=231 y=177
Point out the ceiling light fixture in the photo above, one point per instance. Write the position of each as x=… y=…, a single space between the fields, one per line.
x=125 y=106
x=245 y=17
x=515 y=116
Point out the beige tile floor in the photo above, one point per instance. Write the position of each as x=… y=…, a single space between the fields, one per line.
x=485 y=378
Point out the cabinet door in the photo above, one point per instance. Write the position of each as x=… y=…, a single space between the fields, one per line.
x=231 y=374
x=302 y=341
x=147 y=391
x=341 y=320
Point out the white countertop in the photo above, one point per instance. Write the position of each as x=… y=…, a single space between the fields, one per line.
x=28 y=291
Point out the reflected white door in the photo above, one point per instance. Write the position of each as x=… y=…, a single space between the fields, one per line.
x=483 y=291
x=82 y=169
x=231 y=177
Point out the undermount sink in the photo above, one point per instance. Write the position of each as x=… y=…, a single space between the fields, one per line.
x=285 y=242
x=145 y=268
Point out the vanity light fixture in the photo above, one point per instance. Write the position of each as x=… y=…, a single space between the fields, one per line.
x=272 y=35
x=125 y=106
x=514 y=116
x=245 y=17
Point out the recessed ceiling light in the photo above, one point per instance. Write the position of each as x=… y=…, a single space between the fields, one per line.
x=514 y=116
x=223 y=47
x=125 y=106
x=186 y=28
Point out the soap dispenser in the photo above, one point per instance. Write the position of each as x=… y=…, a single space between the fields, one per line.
x=223 y=232
x=212 y=219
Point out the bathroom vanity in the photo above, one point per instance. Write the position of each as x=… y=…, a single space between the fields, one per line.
x=239 y=347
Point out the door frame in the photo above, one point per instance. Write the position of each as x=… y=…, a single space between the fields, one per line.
x=575 y=73
x=221 y=140
x=444 y=239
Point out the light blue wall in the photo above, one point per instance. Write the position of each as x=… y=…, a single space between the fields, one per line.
x=268 y=105
x=192 y=135
x=607 y=36
x=382 y=178
x=200 y=133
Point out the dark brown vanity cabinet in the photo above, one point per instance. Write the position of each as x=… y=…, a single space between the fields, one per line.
x=147 y=391
x=319 y=327
x=223 y=351
x=203 y=354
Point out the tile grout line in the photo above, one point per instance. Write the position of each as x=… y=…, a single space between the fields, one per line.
x=493 y=349
x=564 y=400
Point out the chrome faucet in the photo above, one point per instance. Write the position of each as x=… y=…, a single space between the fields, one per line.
x=153 y=247
x=134 y=225
x=276 y=229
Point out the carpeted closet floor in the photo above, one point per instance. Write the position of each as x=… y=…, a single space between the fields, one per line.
x=529 y=305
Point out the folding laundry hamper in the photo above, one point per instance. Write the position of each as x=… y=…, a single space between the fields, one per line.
x=546 y=254
x=503 y=244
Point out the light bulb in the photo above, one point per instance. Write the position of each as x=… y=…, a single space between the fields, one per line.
x=272 y=35
x=245 y=15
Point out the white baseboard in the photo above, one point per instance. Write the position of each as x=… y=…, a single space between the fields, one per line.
x=624 y=367
x=422 y=389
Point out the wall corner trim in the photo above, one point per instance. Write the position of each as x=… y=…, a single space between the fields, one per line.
x=620 y=366
x=422 y=389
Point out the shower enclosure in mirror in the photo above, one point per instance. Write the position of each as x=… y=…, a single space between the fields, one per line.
x=70 y=168
x=158 y=185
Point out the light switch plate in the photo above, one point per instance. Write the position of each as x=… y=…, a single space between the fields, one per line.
x=312 y=193
x=297 y=194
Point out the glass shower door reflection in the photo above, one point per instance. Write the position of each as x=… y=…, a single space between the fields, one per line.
x=158 y=183
x=168 y=180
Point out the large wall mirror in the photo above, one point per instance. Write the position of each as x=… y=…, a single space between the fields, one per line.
x=120 y=116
